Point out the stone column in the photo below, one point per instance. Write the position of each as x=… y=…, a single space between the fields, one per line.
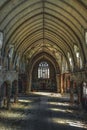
x=29 y=83
x=58 y=82
x=8 y=95
x=68 y=84
x=71 y=92
x=62 y=84
x=16 y=91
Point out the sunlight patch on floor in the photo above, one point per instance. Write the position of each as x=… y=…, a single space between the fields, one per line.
x=11 y=115
x=68 y=122
x=19 y=106
x=77 y=124
x=48 y=94
x=24 y=100
x=59 y=103
x=57 y=109
x=60 y=110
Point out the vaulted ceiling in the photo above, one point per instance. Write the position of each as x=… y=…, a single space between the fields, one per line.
x=52 y=26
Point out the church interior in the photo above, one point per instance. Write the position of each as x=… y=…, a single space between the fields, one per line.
x=43 y=48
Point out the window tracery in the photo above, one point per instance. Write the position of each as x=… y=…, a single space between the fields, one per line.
x=43 y=70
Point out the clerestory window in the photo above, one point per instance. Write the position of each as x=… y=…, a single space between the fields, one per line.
x=86 y=37
x=1 y=39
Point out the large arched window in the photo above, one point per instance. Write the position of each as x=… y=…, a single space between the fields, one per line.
x=86 y=37
x=78 y=56
x=70 y=61
x=43 y=70
x=1 y=43
x=1 y=39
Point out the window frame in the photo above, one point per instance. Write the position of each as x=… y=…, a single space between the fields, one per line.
x=43 y=70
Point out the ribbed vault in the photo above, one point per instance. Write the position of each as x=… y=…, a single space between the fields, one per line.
x=51 y=26
x=43 y=56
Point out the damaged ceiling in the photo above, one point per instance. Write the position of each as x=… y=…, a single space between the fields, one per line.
x=51 y=26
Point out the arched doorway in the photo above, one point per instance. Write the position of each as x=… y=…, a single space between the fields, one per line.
x=44 y=77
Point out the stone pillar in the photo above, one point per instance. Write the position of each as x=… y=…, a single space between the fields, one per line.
x=15 y=91
x=68 y=84
x=71 y=92
x=29 y=80
x=30 y=83
x=8 y=95
x=58 y=82
x=79 y=97
x=27 y=88
x=62 y=84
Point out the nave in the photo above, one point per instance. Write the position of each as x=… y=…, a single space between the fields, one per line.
x=43 y=111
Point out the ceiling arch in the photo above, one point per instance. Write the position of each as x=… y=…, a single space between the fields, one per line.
x=43 y=56
x=54 y=25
